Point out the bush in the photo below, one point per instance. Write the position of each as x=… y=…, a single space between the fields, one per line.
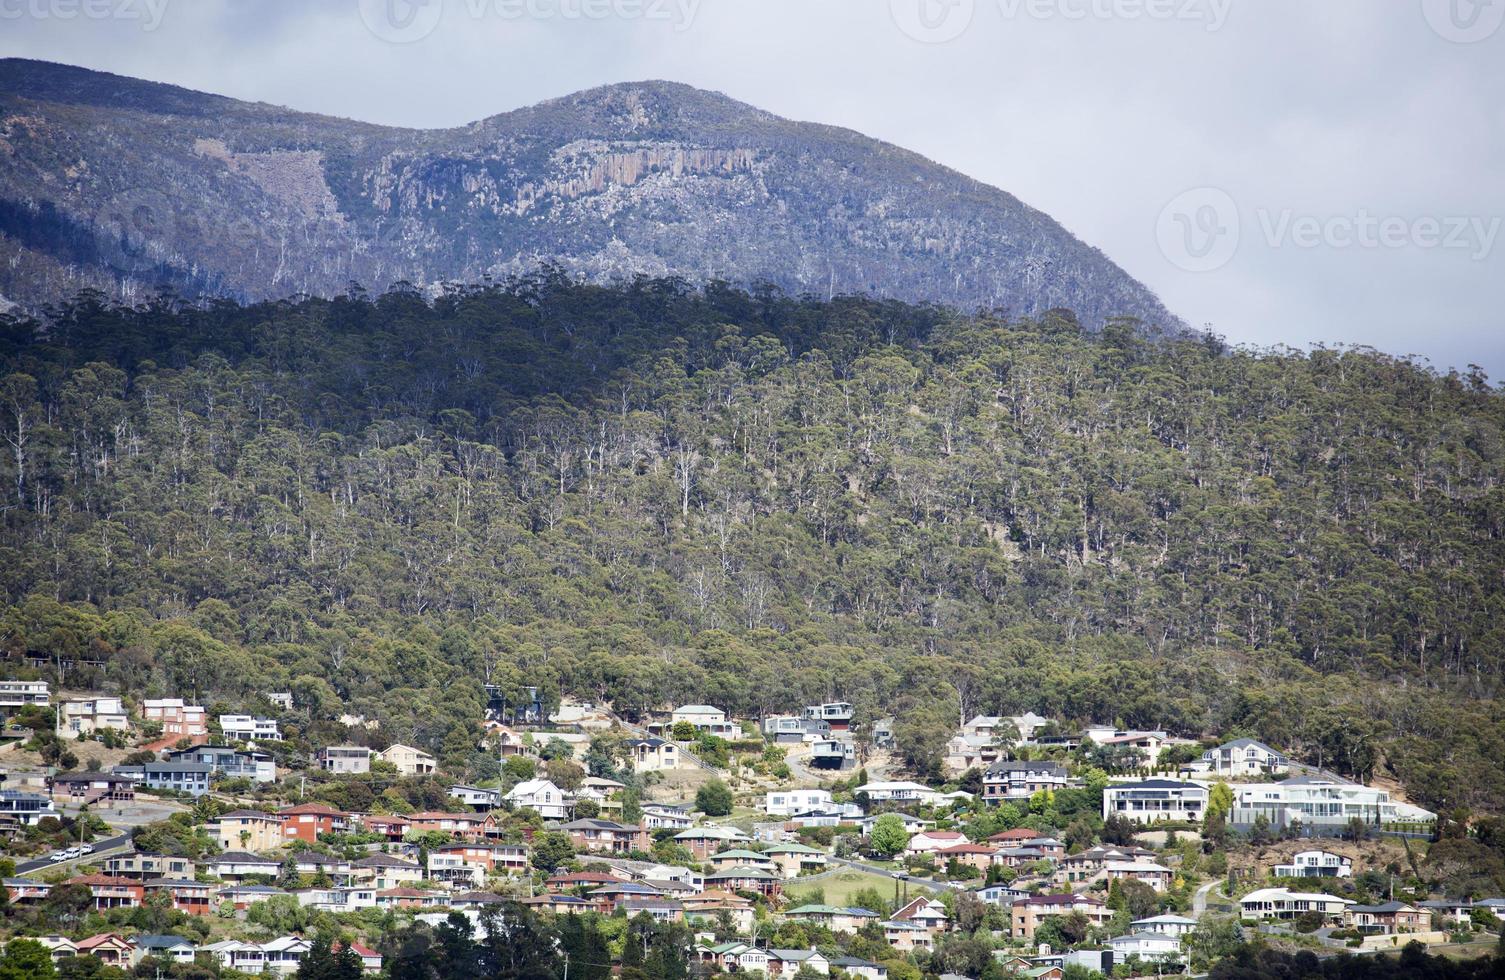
x=714 y=799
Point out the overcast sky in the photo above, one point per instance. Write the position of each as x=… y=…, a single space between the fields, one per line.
x=1285 y=171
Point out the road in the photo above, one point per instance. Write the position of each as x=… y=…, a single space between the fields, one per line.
x=1199 y=900
x=102 y=848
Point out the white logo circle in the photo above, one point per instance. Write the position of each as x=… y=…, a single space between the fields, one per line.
x=401 y=21
x=1198 y=231
x=136 y=229
x=1464 y=21
x=932 y=21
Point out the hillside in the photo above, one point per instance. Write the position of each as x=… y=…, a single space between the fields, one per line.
x=124 y=186
x=654 y=495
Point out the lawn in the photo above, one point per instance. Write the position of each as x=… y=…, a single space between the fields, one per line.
x=840 y=887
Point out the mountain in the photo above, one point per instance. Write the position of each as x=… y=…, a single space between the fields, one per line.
x=647 y=495
x=124 y=185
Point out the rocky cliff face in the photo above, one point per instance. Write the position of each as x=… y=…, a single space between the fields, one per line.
x=128 y=186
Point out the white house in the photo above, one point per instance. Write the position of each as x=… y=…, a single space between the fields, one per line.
x=542 y=796
x=85 y=716
x=1166 y=925
x=1156 y=800
x=14 y=694
x=706 y=718
x=788 y=802
x=1282 y=903
x=248 y=728
x=1315 y=864
x=1152 y=947
x=1245 y=757
x=1320 y=801
x=889 y=792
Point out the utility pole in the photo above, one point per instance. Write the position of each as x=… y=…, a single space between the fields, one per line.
x=566 y=966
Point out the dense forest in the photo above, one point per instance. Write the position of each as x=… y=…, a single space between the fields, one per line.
x=654 y=494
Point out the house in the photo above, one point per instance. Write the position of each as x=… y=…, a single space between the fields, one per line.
x=235 y=866
x=833 y=917
x=476 y=796
x=743 y=879
x=837 y=714
x=1013 y=780
x=247 y=830
x=929 y=841
x=242 y=897
x=789 y=802
x=1387 y=918
x=1088 y=864
x=925 y=912
x=109 y=948
x=283 y=955
x=606 y=835
x=190 y=778
x=455 y=824
x=793 y=728
x=704 y=908
x=652 y=755
x=739 y=857
x=793 y=860
x=967 y=855
x=185 y=894
x=393 y=827
x=905 y=936
x=384 y=871
x=236 y=955
x=336 y=869
x=707 y=719
x=912 y=824
x=451 y=868
x=306 y=821
x=1443 y=909
x=1144 y=746
x=1245 y=757
x=1282 y=903
x=491 y=858
x=1320 y=802
x=174 y=949
x=345 y=760
x=898 y=792
x=18 y=694
x=854 y=967
x=1028 y=913
x=833 y=753
x=142 y=866
x=26 y=890
x=86 y=716
x=93 y=788
x=734 y=957
x=370 y=959
x=110 y=892
x=230 y=762
x=248 y=728
x=788 y=962
x=282 y=700
x=408 y=760
x=1494 y=906
x=1154 y=875
x=1151 y=947
x=660 y=816
x=1165 y=925
x=1156 y=800
x=1000 y=894
x=1315 y=864
x=409 y=898
x=702 y=842
x=543 y=797
x=178 y=719
x=1016 y=836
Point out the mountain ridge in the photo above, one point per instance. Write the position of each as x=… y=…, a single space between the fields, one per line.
x=127 y=185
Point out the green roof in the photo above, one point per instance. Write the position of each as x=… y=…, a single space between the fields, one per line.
x=740 y=855
x=793 y=849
